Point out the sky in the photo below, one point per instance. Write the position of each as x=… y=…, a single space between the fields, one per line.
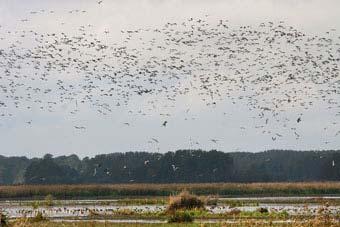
x=191 y=124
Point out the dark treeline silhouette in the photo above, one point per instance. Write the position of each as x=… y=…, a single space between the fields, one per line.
x=182 y=166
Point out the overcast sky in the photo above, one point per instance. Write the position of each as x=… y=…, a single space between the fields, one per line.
x=53 y=132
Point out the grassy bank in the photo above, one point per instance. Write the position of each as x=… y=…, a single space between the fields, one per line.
x=124 y=190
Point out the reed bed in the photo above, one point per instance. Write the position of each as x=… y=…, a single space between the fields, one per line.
x=124 y=190
x=184 y=201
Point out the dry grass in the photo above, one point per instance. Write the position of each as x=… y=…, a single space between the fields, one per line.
x=247 y=223
x=184 y=201
x=116 y=190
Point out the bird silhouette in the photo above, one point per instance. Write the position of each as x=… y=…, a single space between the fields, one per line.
x=268 y=68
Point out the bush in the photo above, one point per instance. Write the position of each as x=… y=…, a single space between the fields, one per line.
x=180 y=216
x=184 y=201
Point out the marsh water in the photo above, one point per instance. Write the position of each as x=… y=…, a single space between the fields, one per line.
x=82 y=209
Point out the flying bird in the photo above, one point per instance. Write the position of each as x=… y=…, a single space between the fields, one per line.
x=214 y=140
x=155 y=140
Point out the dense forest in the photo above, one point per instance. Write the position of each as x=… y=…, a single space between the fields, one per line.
x=180 y=166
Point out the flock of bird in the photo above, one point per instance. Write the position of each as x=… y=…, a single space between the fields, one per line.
x=271 y=68
x=112 y=210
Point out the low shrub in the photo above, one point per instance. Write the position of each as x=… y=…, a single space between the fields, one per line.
x=180 y=217
x=184 y=201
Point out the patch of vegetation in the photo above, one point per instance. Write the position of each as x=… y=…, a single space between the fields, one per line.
x=238 y=203
x=124 y=212
x=185 y=201
x=49 y=200
x=35 y=205
x=3 y=220
x=39 y=217
x=263 y=215
x=180 y=217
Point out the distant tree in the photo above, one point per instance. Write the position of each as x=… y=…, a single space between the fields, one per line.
x=46 y=171
x=48 y=156
x=180 y=166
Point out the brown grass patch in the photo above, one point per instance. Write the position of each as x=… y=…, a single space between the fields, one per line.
x=116 y=190
x=185 y=201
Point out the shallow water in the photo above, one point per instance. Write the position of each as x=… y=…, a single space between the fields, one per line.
x=285 y=198
x=75 y=210
x=83 y=208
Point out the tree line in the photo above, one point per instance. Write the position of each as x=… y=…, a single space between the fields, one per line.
x=182 y=166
